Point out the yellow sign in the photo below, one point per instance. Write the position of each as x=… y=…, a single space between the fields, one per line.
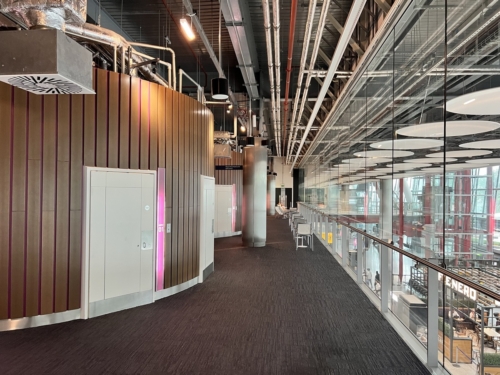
x=330 y=238
x=323 y=235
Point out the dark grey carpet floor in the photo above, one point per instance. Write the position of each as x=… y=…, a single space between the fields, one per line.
x=264 y=311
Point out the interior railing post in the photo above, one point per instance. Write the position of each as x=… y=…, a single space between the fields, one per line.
x=359 y=255
x=385 y=278
x=334 y=236
x=432 y=319
x=345 y=245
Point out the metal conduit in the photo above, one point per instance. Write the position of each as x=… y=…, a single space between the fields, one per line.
x=317 y=42
x=350 y=24
x=291 y=37
x=269 y=47
x=277 y=66
x=303 y=57
x=336 y=109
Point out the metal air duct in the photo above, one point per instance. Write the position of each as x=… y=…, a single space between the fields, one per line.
x=45 y=62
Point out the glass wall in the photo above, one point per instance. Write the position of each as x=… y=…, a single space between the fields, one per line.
x=411 y=155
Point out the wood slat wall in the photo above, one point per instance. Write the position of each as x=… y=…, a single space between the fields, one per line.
x=234 y=177
x=44 y=143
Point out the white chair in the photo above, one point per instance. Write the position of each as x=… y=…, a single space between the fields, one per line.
x=296 y=222
x=304 y=231
x=291 y=216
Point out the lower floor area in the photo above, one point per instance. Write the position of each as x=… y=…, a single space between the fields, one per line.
x=269 y=310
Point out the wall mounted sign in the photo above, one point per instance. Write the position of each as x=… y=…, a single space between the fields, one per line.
x=228 y=167
x=458 y=287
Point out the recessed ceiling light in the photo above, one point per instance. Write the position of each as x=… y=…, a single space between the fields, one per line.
x=383 y=154
x=490 y=143
x=430 y=160
x=491 y=161
x=459 y=154
x=484 y=102
x=407 y=144
x=453 y=129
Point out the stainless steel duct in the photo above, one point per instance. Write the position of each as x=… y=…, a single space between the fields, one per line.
x=70 y=16
x=254 y=196
x=271 y=193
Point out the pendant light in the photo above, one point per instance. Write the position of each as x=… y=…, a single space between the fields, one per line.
x=220 y=89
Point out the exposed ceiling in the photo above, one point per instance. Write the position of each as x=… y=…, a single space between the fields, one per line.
x=157 y=21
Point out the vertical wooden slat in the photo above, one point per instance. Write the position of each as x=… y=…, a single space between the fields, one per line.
x=102 y=118
x=76 y=172
x=175 y=187
x=160 y=100
x=168 y=185
x=144 y=130
x=153 y=127
x=89 y=131
x=168 y=251
x=62 y=204
x=113 y=119
x=5 y=149
x=135 y=113
x=181 y=191
x=49 y=164
x=33 y=204
x=125 y=112
x=169 y=147
x=18 y=183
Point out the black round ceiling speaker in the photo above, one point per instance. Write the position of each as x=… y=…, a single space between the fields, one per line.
x=219 y=89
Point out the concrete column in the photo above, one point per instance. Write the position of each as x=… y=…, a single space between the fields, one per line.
x=254 y=196
x=271 y=193
x=385 y=218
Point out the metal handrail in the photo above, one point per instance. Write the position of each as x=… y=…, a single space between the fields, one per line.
x=416 y=258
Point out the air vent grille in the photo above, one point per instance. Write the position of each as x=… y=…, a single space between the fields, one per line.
x=45 y=85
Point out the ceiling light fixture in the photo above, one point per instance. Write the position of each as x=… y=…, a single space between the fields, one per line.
x=186 y=27
x=220 y=89
x=482 y=102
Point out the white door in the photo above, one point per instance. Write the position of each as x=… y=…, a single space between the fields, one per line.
x=207 y=226
x=119 y=226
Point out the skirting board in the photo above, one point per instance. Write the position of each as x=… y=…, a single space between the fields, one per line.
x=159 y=294
x=39 y=320
x=227 y=234
x=111 y=305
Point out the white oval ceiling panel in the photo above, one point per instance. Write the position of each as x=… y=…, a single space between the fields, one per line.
x=492 y=161
x=459 y=154
x=407 y=166
x=384 y=169
x=408 y=144
x=488 y=144
x=453 y=129
x=383 y=154
x=483 y=102
x=430 y=160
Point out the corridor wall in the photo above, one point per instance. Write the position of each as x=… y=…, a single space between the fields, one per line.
x=44 y=143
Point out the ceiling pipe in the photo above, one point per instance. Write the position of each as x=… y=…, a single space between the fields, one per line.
x=314 y=54
x=350 y=24
x=291 y=37
x=269 y=48
x=277 y=68
x=303 y=57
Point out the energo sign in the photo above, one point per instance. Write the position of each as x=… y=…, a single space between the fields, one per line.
x=458 y=287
